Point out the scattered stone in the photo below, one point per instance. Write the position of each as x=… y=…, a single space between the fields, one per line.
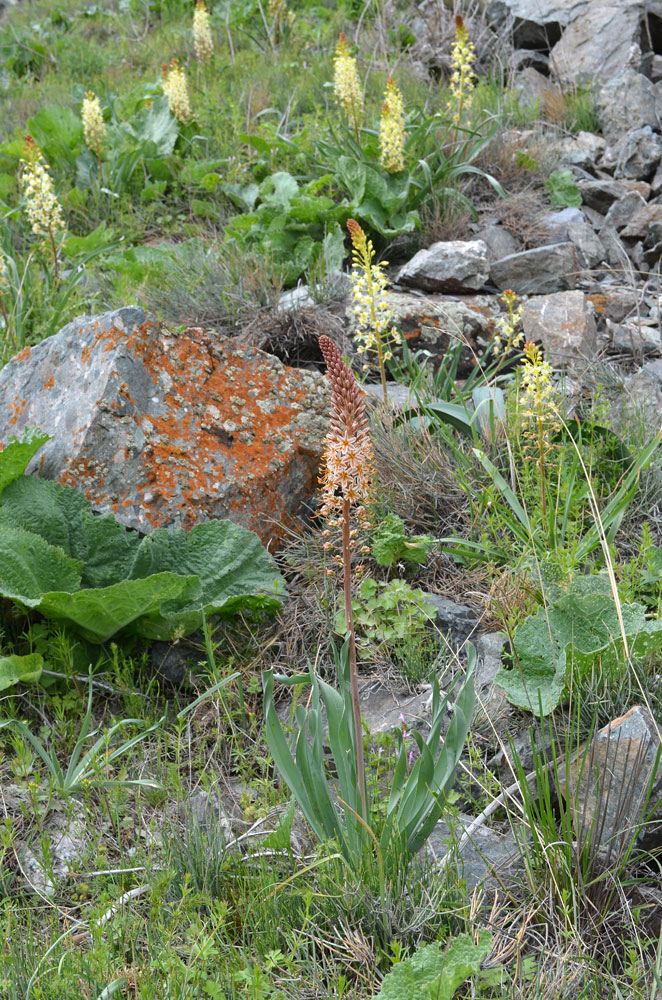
x=643 y=392
x=485 y=853
x=588 y=245
x=456 y=621
x=583 y=151
x=642 y=220
x=539 y=271
x=538 y=24
x=500 y=243
x=638 y=153
x=635 y=337
x=601 y=193
x=169 y=429
x=67 y=839
x=621 y=211
x=556 y=224
x=616 y=253
x=433 y=323
x=608 y=782
x=174 y=661
x=535 y=90
x=565 y=324
x=615 y=303
x=627 y=101
x=383 y=710
x=491 y=701
x=652 y=245
x=205 y=811
x=457 y=266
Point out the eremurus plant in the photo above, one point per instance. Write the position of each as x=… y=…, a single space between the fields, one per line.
x=347 y=483
x=417 y=790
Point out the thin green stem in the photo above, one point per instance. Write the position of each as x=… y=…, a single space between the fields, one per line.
x=56 y=272
x=353 y=676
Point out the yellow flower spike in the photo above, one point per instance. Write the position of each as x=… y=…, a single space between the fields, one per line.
x=94 y=128
x=202 y=38
x=175 y=88
x=375 y=331
x=392 y=129
x=41 y=205
x=346 y=83
x=463 y=78
x=507 y=334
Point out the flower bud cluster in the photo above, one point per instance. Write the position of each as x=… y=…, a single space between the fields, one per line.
x=463 y=78
x=176 y=90
x=202 y=39
x=392 y=129
x=348 y=474
x=375 y=331
x=43 y=209
x=94 y=128
x=346 y=83
x=508 y=334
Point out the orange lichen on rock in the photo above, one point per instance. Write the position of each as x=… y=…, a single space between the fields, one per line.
x=174 y=429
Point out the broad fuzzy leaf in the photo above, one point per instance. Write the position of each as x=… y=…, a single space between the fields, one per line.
x=19 y=669
x=431 y=973
x=58 y=557
x=580 y=626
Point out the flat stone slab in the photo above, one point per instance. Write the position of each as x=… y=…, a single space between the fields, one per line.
x=169 y=429
x=455 y=266
x=608 y=784
x=537 y=272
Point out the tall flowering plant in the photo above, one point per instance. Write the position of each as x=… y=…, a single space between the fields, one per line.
x=346 y=84
x=43 y=210
x=375 y=330
x=392 y=129
x=418 y=788
x=175 y=88
x=463 y=78
x=94 y=127
x=203 y=42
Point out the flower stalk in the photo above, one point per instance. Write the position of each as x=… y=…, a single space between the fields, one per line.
x=537 y=407
x=203 y=42
x=463 y=78
x=42 y=207
x=374 y=317
x=346 y=485
x=94 y=128
x=175 y=88
x=392 y=129
x=346 y=84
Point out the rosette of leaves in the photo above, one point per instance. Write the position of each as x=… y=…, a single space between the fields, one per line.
x=59 y=558
x=563 y=640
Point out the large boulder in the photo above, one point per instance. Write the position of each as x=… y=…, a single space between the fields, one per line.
x=626 y=101
x=585 y=39
x=167 y=429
